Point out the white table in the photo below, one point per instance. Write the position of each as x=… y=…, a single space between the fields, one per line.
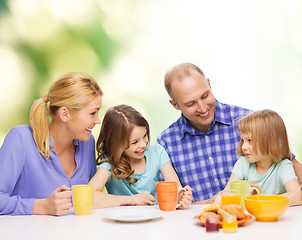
x=171 y=225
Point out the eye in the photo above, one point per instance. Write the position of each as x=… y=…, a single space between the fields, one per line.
x=94 y=112
x=204 y=96
x=190 y=104
x=134 y=142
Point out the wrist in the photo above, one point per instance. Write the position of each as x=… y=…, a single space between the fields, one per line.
x=129 y=200
x=40 y=207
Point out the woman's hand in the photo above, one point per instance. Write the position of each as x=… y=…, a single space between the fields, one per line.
x=57 y=204
x=142 y=199
x=185 y=197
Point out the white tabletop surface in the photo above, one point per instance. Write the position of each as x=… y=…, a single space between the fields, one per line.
x=170 y=225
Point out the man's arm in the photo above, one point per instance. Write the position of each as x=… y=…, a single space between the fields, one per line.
x=207 y=201
x=298 y=169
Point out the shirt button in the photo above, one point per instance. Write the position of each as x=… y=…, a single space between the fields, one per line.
x=216 y=180
x=211 y=159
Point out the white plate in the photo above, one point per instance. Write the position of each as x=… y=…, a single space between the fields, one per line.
x=132 y=213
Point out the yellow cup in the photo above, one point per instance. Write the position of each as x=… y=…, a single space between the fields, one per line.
x=82 y=198
x=229 y=224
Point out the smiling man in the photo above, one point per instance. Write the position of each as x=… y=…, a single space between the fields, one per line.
x=202 y=142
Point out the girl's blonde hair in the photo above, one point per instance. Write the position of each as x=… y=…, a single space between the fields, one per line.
x=268 y=133
x=73 y=91
x=113 y=140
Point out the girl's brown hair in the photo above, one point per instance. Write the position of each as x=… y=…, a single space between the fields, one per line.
x=113 y=140
x=268 y=133
x=73 y=91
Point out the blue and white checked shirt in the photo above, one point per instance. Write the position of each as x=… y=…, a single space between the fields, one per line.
x=204 y=161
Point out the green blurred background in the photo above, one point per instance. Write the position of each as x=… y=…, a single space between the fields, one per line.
x=250 y=50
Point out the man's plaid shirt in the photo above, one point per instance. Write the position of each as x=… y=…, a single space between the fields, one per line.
x=204 y=161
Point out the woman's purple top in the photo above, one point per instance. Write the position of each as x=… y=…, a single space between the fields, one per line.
x=25 y=175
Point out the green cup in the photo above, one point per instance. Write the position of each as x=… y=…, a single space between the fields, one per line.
x=245 y=189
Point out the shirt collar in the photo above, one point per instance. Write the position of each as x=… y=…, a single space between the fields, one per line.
x=222 y=116
x=75 y=142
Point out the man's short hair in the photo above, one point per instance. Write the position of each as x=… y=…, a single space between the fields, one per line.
x=178 y=73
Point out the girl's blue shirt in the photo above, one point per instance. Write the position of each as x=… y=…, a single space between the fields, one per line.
x=156 y=158
x=273 y=181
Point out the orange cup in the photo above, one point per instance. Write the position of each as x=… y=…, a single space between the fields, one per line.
x=167 y=193
x=230 y=197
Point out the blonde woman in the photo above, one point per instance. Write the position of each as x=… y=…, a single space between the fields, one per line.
x=40 y=162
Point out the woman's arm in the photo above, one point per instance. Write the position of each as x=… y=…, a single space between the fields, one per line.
x=102 y=200
x=57 y=204
x=18 y=148
x=185 y=196
x=291 y=187
x=12 y=159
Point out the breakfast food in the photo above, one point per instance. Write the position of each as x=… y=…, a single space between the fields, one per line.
x=222 y=211
x=230 y=224
x=211 y=207
x=235 y=209
x=212 y=222
x=208 y=215
x=222 y=214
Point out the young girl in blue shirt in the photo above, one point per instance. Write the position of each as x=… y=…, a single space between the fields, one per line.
x=265 y=155
x=128 y=166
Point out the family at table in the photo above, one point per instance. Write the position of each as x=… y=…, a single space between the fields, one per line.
x=204 y=150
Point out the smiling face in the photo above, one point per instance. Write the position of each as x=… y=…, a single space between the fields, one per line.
x=194 y=97
x=82 y=122
x=138 y=142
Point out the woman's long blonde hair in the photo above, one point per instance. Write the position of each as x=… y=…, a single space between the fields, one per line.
x=113 y=140
x=73 y=91
x=268 y=133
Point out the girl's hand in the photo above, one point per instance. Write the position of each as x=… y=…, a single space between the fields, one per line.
x=254 y=192
x=185 y=197
x=59 y=202
x=142 y=199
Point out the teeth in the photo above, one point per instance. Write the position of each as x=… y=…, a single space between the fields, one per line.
x=89 y=129
x=202 y=115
